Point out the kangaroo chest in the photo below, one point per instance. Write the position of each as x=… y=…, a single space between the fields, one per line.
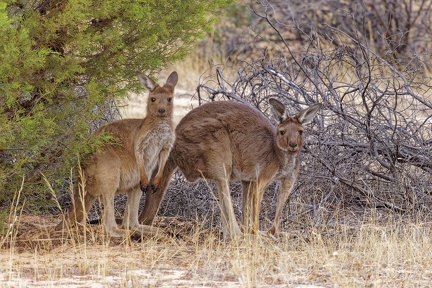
x=289 y=165
x=151 y=144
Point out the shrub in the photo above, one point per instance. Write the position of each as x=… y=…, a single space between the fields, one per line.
x=62 y=65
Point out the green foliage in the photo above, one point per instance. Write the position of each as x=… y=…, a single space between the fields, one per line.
x=62 y=61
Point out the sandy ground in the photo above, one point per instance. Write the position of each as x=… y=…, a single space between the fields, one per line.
x=38 y=256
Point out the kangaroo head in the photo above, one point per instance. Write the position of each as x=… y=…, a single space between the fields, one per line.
x=160 y=98
x=290 y=129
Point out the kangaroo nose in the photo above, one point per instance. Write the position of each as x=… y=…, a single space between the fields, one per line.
x=293 y=145
x=161 y=110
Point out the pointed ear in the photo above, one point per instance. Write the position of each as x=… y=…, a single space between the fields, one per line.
x=307 y=115
x=172 y=80
x=147 y=82
x=278 y=109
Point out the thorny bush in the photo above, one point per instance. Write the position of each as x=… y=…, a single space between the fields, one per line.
x=371 y=144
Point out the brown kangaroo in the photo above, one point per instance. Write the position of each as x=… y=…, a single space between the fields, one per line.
x=125 y=167
x=225 y=141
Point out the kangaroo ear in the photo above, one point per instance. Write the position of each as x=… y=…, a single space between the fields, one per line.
x=172 y=80
x=307 y=115
x=278 y=109
x=147 y=82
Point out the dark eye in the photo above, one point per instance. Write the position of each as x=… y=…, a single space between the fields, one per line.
x=300 y=132
x=152 y=99
x=169 y=99
x=282 y=132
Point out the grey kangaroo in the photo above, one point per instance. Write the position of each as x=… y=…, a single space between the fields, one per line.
x=226 y=141
x=125 y=167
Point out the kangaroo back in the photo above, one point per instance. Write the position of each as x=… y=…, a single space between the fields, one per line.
x=223 y=133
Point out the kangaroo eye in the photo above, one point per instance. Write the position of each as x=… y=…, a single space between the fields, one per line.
x=169 y=99
x=282 y=132
x=300 y=132
x=152 y=99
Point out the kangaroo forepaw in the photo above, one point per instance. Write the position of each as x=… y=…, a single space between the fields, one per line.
x=154 y=188
x=144 y=188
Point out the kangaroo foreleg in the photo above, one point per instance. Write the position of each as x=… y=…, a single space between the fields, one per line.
x=283 y=193
x=153 y=200
x=163 y=156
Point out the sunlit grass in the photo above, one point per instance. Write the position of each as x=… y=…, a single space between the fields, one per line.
x=371 y=253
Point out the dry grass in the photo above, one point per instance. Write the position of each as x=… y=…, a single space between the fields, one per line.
x=368 y=254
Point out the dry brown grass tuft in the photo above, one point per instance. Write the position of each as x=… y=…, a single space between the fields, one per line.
x=369 y=253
